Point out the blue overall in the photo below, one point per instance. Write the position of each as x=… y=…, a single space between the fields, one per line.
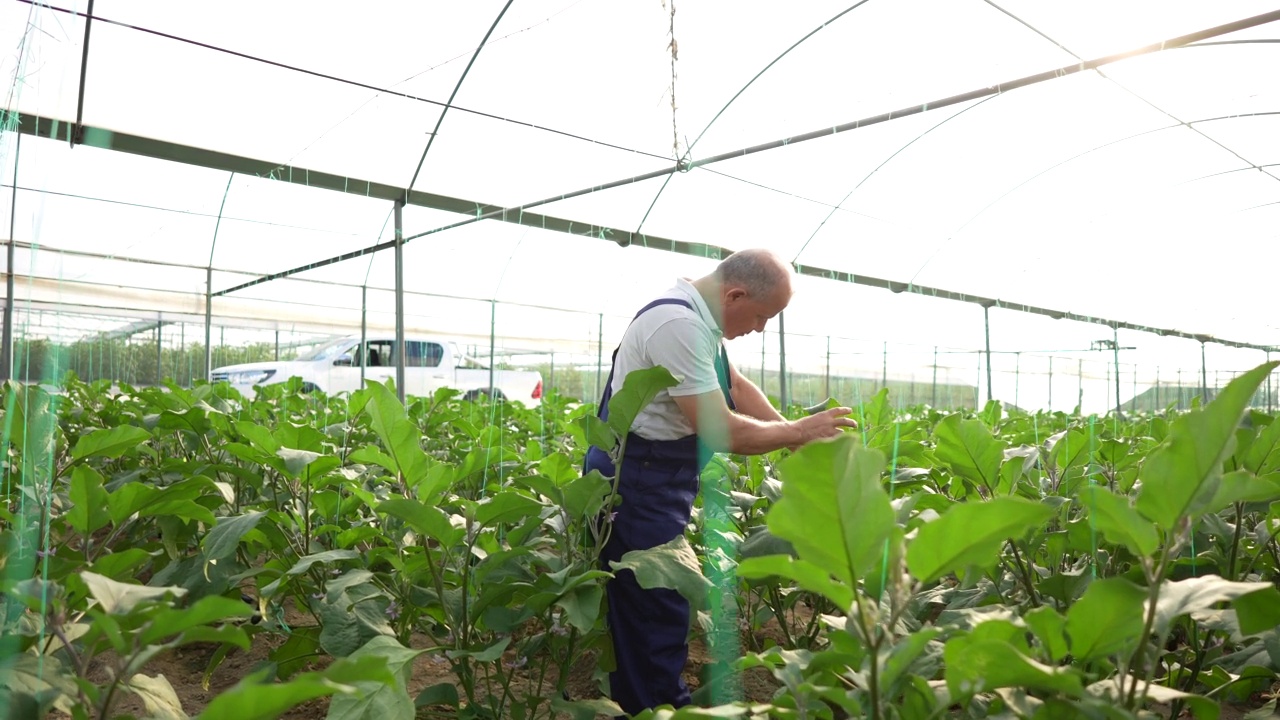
x=658 y=485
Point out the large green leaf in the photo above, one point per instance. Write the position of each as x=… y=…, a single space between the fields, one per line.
x=349 y=621
x=119 y=598
x=1107 y=619
x=428 y=520
x=833 y=509
x=585 y=495
x=969 y=449
x=1264 y=454
x=177 y=500
x=506 y=506
x=158 y=697
x=976 y=665
x=304 y=564
x=1244 y=486
x=639 y=388
x=672 y=565
x=400 y=437
x=1116 y=519
x=1180 y=477
x=971 y=534
x=582 y=606
x=224 y=537
x=1069 y=448
x=1258 y=611
x=259 y=435
x=379 y=700
x=1199 y=593
x=109 y=442
x=207 y=610
x=808 y=576
x=254 y=698
x=88 y=501
x=1050 y=629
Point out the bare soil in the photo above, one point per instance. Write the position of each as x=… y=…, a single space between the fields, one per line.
x=185 y=667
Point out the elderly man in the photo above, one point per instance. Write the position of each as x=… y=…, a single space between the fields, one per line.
x=713 y=409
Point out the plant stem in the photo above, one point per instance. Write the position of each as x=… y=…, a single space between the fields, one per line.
x=1025 y=572
x=1252 y=561
x=1139 y=655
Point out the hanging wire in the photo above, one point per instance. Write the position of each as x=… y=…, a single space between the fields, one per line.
x=682 y=162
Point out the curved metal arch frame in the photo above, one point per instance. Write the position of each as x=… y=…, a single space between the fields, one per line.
x=1103 y=146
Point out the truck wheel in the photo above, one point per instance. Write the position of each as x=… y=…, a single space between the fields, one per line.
x=309 y=388
x=476 y=395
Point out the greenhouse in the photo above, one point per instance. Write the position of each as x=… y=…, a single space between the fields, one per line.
x=1024 y=239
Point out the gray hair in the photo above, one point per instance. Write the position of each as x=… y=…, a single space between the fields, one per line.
x=756 y=270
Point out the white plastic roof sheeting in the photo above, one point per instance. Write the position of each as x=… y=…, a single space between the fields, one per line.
x=1145 y=191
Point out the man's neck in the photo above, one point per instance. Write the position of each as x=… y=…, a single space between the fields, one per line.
x=709 y=288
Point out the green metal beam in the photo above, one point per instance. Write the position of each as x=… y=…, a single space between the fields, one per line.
x=164 y=150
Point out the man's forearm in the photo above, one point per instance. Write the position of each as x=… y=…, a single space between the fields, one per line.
x=751 y=400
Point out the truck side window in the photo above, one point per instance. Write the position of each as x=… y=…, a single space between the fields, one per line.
x=423 y=354
x=379 y=354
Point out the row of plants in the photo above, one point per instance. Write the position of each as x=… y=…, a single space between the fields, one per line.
x=932 y=564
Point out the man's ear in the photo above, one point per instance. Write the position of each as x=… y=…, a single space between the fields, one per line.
x=735 y=294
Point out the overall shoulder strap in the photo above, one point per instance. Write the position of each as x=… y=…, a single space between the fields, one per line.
x=603 y=411
x=662 y=301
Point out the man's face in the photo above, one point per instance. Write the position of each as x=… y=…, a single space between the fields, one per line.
x=744 y=314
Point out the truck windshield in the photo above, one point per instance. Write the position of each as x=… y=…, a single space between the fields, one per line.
x=327 y=352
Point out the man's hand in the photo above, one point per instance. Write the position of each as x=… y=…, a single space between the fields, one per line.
x=823 y=425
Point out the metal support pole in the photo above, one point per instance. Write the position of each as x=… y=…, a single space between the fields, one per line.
x=884 y=365
x=208 y=320
x=827 y=373
x=1017 y=375
x=599 y=355
x=182 y=353
x=1158 y=406
x=1050 y=405
x=6 y=345
x=986 y=322
x=1115 y=348
x=399 y=348
x=159 y=354
x=77 y=132
x=1269 y=383
x=551 y=380
x=277 y=345
x=1080 y=383
x=493 y=322
x=363 y=349
x=933 y=393
x=782 y=362
x=1133 y=407
x=1179 y=388
x=1204 y=376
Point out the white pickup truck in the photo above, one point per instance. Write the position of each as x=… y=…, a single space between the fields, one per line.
x=430 y=364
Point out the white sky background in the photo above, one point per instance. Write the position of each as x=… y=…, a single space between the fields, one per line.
x=1083 y=194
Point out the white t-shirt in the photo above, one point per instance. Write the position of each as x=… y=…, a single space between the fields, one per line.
x=683 y=341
